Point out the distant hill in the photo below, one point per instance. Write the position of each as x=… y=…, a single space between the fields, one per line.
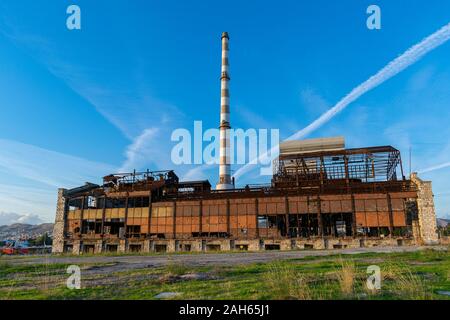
x=20 y=230
x=443 y=223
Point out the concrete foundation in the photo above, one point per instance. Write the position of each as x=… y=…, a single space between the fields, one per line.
x=98 y=246
x=211 y=245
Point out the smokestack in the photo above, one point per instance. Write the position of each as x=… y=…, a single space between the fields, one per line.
x=224 y=167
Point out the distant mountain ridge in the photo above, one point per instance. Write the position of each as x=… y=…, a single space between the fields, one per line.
x=443 y=223
x=21 y=230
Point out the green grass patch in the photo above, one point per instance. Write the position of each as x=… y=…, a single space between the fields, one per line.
x=405 y=275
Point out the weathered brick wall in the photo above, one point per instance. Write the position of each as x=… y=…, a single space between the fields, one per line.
x=58 y=229
x=427 y=214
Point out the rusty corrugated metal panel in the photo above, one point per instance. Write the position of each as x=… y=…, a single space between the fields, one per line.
x=383 y=219
x=397 y=204
x=276 y=205
x=399 y=218
x=163 y=204
x=404 y=195
x=115 y=213
x=74 y=214
x=371 y=219
x=370 y=196
x=382 y=205
x=370 y=205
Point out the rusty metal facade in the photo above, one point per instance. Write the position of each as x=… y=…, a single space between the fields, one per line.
x=336 y=194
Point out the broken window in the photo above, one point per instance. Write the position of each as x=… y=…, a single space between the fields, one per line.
x=88 y=227
x=91 y=202
x=100 y=202
x=303 y=225
x=272 y=225
x=337 y=224
x=115 y=203
x=91 y=226
x=138 y=202
x=113 y=226
x=133 y=231
x=263 y=222
x=75 y=204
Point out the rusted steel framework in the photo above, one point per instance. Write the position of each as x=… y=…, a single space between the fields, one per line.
x=363 y=165
x=346 y=169
x=138 y=181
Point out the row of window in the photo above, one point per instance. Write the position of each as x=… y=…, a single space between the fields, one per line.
x=99 y=203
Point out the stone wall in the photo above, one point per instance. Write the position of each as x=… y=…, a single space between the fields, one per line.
x=427 y=215
x=58 y=229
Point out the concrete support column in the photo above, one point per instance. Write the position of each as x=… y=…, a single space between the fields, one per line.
x=171 y=246
x=225 y=245
x=286 y=245
x=146 y=246
x=122 y=246
x=196 y=245
x=253 y=245
x=416 y=231
x=60 y=218
x=76 y=249
x=98 y=246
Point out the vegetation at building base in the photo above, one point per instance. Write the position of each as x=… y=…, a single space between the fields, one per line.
x=414 y=275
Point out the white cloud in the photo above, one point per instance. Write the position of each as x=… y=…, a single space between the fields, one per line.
x=30 y=177
x=140 y=151
x=132 y=110
x=435 y=167
x=421 y=79
x=8 y=218
x=142 y=118
x=197 y=173
x=313 y=101
x=409 y=57
x=49 y=167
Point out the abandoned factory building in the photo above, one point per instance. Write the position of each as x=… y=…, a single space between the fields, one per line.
x=321 y=196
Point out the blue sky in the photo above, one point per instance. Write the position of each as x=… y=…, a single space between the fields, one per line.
x=76 y=105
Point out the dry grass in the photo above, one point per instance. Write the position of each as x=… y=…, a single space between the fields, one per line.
x=176 y=269
x=346 y=277
x=285 y=282
x=405 y=284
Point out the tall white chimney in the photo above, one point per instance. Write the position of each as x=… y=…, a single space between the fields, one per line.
x=225 y=181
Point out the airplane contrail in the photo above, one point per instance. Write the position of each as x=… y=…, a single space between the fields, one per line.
x=409 y=57
x=437 y=167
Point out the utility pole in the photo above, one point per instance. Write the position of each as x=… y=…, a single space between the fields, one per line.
x=410 y=151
